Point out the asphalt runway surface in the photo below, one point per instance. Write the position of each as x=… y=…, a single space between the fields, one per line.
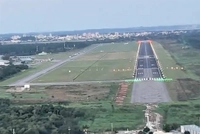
x=30 y=78
x=147 y=66
x=148 y=90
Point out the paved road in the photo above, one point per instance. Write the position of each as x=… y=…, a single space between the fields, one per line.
x=72 y=83
x=148 y=91
x=51 y=68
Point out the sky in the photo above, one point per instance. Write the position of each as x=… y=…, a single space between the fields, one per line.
x=22 y=16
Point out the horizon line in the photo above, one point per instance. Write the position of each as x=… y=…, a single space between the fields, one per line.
x=96 y=29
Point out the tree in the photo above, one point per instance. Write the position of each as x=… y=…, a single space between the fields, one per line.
x=32 y=131
x=141 y=132
x=166 y=128
x=187 y=132
x=150 y=132
x=5 y=57
x=146 y=130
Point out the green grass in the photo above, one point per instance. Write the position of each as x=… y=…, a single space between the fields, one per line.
x=96 y=69
x=181 y=113
x=172 y=55
x=122 y=118
x=38 y=94
x=99 y=113
x=167 y=62
x=26 y=73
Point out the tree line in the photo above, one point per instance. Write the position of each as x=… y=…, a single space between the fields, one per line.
x=7 y=71
x=39 y=119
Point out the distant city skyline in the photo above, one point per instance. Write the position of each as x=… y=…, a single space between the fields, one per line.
x=24 y=16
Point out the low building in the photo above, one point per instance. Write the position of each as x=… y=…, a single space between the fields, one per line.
x=193 y=129
x=4 y=62
x=26 y=60
x=42 y=53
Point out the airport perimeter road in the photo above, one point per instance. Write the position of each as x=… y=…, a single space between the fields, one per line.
x=51 y=68
x=72 y=83
x=148 y=90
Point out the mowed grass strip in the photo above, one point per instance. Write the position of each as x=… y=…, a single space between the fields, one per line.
x=167 y=62
x=101 y=65
x=65 y=73
x=116 y=47
x=108 y=70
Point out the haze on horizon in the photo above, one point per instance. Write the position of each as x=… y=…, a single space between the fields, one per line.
x=22 y=16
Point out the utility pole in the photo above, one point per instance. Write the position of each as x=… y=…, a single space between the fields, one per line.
x=111 y=127
x=13 y=131
x=36 y=48
x=69 y=130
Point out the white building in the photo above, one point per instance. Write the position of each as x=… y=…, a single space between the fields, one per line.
x=42 y=53
x=193 y=129
x=4 y=62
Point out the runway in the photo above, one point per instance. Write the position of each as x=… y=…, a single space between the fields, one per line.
x=30 y=78
x=147 y=68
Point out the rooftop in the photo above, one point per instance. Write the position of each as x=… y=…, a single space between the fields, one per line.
x=191 y=127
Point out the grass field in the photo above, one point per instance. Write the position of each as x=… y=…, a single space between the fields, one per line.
x=185 y=82
x=167 y=62
x=180 y=113
x=107 y=62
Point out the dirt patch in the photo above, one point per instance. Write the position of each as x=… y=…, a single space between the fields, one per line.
x=76 y=93
x=190 y=88
x=121 y=94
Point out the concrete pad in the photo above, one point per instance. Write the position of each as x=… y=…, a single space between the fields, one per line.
x=150 y=92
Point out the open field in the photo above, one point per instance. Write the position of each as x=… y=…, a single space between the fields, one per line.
x=167 y=62
x=181 y=113
x=71 y=93
x=185 y=82
x=108 y=62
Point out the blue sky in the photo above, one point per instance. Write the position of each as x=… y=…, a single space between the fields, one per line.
x=55 y=15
